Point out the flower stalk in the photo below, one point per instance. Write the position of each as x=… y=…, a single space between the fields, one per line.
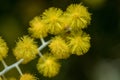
x=44 y=44
x=6 y=69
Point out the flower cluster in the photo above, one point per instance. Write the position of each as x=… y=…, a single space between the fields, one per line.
x=66 y=38
x=55 y=21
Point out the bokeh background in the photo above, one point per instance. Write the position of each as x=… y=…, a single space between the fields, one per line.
x=101 y=62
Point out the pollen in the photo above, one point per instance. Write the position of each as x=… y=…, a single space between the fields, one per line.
x=48 y=67
x=78 y=15
x=25 y=49
x=79 y=44
x=59 y=48
x=52 y=18
x=38 y=29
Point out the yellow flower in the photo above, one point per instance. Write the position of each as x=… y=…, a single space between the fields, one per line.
x=78 y=15
x=49 y=67
x=52 y=18
x=79 y=43
x=59 y=48
x=25 y=49
x=28 y=76
x=3 y=49
x=38 y=29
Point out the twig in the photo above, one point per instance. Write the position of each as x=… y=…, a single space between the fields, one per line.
x=10 y=67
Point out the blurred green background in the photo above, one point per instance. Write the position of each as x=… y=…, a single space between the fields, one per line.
x=101 y=62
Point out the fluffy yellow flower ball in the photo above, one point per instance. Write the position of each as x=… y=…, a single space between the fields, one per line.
x=78 y=16
x=52 y=19
x=79 y=43
x=59 y=48
x=3 y=49
x=28 y=76
x=48 y=66
x=25 y=49
x=38 y=29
